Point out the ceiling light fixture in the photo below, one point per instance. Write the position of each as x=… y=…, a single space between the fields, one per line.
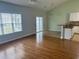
x=33 y=1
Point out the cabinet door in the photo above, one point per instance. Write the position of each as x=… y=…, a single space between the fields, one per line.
x=67 y=33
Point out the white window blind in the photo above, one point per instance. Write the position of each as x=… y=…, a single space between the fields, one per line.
x=10 y=23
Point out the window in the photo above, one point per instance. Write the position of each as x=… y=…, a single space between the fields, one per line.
x=10 y=23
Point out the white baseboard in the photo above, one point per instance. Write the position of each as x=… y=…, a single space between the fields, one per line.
x=17 y=38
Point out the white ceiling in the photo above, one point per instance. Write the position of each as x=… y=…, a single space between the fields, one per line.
x=40 y=4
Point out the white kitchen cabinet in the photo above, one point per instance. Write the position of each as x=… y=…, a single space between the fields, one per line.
x=68 y=33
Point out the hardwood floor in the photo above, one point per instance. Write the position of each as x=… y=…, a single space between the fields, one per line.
x=53 y=34
x=45 y=48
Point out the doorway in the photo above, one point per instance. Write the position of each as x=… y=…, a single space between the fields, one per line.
x=39 y=24
x=39 y=30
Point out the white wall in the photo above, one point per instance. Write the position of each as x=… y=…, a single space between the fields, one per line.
x=28 y=19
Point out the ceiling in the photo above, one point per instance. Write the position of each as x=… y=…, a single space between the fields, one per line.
x=40 y=4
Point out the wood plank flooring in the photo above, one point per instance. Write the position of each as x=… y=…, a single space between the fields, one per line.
x=48 y=48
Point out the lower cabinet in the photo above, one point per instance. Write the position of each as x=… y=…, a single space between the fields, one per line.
x=68 y=33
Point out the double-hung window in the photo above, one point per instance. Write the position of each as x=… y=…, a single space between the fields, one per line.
x=10 y=23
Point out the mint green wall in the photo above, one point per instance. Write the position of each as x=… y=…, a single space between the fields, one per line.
x=60 y=14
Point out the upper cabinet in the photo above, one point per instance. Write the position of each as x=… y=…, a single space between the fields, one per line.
x=74 y=16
